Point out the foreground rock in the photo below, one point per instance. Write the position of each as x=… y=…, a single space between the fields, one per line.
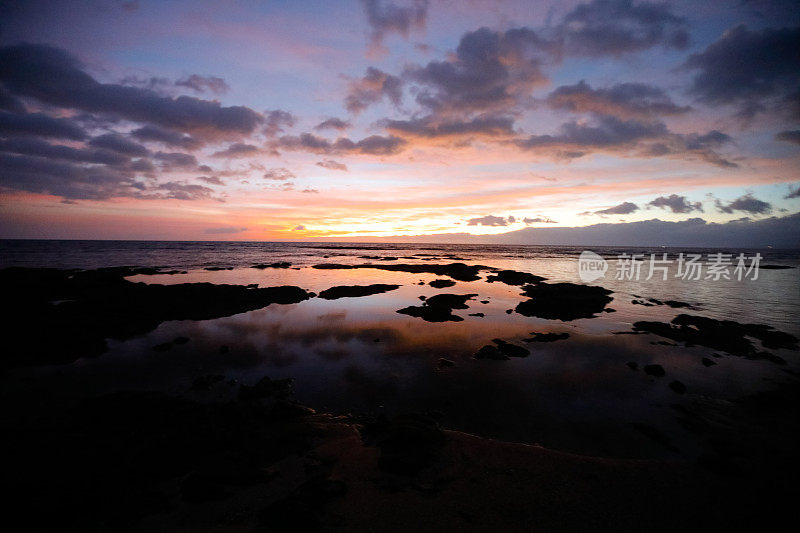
x=354 y=291
x=563 y=301
x=62 y=315
x=439 y=308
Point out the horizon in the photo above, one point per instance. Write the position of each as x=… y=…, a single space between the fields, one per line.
x=404 y=119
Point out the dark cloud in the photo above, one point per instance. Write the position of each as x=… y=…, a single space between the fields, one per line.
x=432 y=127
x=747 y=203
x=280 y=174
x=237 y=150
x=39 y=148
x=176 y=159
x=276 y=120
x=311 y=191
x=754 y=70
x=790 y=136
x=793 y=193
x=332 y=165
x=120 y=144
x=488 y=220
x=202 y=84
x=224 y=229
x=167 y=137
x=374 y=145
x=676 y=204
x=9 y=102
x=181 y=190
x=373 y=88
x=333 y=124
x=40 y=125
x=299 y=228
x=625 y=208
x=213 y=180
x=387 y=17
x=489 y=70
x=624 y=100
x=52 y=76
x=627 y=137
x=539 y=220
x=617 y=27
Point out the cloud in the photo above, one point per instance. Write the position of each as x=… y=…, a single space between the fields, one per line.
x=202 y=84
x=790 y=136
x=237 y=150
x=617 y=27
x=372 y=88
x=432 y=127
x=299 y=227
x=213 y=180
x=488 y=220
x=311 y=191
x=176 y=159
x=276 y=120
x=624 y=100
x=333 y=124
x=181 y=190
x=539 y=220
x=120 y=144
x=793 y=193
x=608 y=134
x=754 y=70
x=489 y=70
x=373 y=145
x=676 y=204
x=332 y=165
x=279 y=174
x=40 y=125
x=747 y=203
x=39 y=148
x=224 y=229
x=625 y=208
x=9 y=102
x=167 y=137
x=52 y=76
x=386 y=17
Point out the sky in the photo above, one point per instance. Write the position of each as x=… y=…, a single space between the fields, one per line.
x=274 y=120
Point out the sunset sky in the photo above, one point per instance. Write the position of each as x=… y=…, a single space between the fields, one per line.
x=307 y=119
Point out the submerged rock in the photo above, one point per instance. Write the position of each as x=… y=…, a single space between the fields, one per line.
x=678 y=387
x=491 y=352
x=281 y=264
x=353 y=291
x=563 y=301
x=441 y=283
x=654 y=370
x=511 y=350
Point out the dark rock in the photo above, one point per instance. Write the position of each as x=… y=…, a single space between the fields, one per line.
x=654 y=370
x=546 y=337
x=491 y=352
x=180 y=340
x=353 y=291
x=457 y=271
x=204 y=383
x=445 y=362
x=441 y=283
x=163 y=347
x=439 y=308
x=224 y=349
x=479 y=315
x=281 y=264
x=513 y=277
x=633 y=365
x=678 y=387
x=266 y=388
x=216 y=268
x=654 y=434
x=707 y=362
x=563 y=301
x=511 y=350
